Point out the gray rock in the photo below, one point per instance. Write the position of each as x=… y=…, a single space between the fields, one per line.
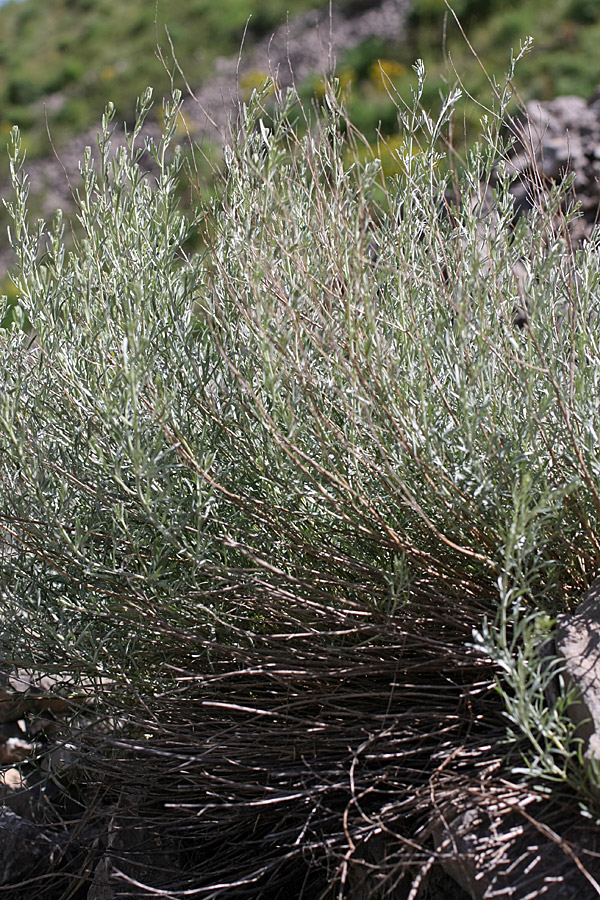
x=26 y=850
x=553 y=140
x=578 y=643
x=498 y=849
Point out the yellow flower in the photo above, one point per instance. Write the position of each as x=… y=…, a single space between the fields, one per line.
x=344 y=79
x=253 y=80
x=382 y=71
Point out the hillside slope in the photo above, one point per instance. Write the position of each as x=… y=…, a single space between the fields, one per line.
x=66 y=59
x=60 y=64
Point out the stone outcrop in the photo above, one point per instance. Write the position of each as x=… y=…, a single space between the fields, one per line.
x=519 y=849
x=532 y=848
x=26 y=849
x=553 y=140
x=578 y=643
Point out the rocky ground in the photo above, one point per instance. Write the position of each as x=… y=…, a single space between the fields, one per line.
x=556 y=139
x=61 y=839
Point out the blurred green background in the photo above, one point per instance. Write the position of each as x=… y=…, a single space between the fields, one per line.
x=61 y=60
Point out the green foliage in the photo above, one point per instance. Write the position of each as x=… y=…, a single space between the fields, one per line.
x=83 y=52
x=87 y=51
x=585 y=12
x=430 y=11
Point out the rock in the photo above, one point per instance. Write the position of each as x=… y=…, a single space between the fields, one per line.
x=12 y=778
x=14 y=750
x=578 y=643
x=556 y=134
x=26 y=849
x=525 y=848
x=28 y=795
x=519 y=849
x=554 y=139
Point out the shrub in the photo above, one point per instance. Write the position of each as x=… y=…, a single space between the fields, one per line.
x=21 y=91
x=260 y=499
